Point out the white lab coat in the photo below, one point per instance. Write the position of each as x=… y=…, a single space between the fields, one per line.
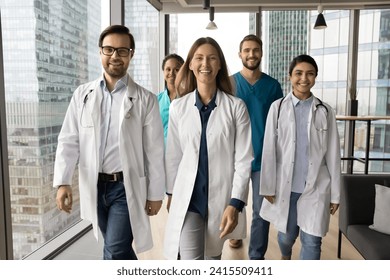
x=324 y=170
x=141 y=145
x=230 y=155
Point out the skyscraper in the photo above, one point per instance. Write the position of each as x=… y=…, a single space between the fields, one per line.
x=285 y=36
x=145 y=66
x=50 y=47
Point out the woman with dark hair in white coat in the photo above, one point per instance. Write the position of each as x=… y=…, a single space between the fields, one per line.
x=300 y=176
x=208 y=158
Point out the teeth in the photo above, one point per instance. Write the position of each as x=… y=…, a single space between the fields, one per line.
x=204 y=71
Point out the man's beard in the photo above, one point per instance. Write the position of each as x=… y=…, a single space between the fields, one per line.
x=252 y=68
x=115 y=73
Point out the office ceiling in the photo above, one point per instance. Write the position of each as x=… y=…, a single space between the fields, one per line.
x=194 y=6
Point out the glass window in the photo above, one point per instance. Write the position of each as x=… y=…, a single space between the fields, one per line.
x=181 y=24
x=225 y=21
x=364 y=65
x=366 y=33
x=144 y=67
x=332 y=38
x=331 y=55
x=373 y=83
x=330 y=70
x=49 y=48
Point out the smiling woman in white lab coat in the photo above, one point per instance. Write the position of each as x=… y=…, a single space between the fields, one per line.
x=300 y=176
x=208 y=158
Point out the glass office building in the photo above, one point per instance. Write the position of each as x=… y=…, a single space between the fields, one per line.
x=49 y=48
x=285 y=35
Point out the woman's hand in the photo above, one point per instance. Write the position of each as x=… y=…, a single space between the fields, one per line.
x=229 y=221
x=152 y=207
x=270 y=198
x=333 y=208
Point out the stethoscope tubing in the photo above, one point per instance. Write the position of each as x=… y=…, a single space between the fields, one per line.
x=127 y=115
x=280 y=105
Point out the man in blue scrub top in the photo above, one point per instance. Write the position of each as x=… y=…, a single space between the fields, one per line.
x=258 y=90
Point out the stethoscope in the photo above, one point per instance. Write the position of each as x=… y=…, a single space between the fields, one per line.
x=84 y=124
x=321 y=124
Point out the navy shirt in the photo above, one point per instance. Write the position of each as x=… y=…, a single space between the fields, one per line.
x=199 y=198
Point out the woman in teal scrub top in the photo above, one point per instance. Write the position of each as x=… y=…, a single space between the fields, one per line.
x=170 y=65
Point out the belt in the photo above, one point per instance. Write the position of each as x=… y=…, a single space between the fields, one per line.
x=114 y=177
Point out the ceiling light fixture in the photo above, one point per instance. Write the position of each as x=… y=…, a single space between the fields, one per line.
x=206 y=4
x=211 y=25
x=320 y=21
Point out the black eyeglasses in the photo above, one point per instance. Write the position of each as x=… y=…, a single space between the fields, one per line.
x=109 y=51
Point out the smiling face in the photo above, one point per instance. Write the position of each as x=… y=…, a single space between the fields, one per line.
x=115 y=66
x=171 y=67
x=250 y=55
x=205 y=64
x=302 y=79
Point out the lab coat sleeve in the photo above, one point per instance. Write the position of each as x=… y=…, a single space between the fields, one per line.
x=243 y=154
x=153 y=146
x=173 y=150
x=269 y=157
x=333 y=160
x=67 y=154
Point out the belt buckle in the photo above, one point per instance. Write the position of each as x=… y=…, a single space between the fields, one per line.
x=115 y=177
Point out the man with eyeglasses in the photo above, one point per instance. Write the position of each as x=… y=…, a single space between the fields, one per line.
x=113 y=131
